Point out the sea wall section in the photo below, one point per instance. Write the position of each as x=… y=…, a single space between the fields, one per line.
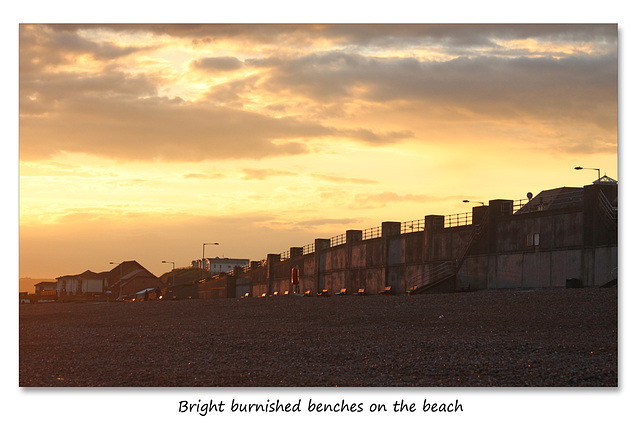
x=496 y=248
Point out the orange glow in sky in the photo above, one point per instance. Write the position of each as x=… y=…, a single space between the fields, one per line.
x=142 y=142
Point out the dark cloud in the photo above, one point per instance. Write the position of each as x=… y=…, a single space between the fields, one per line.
x=118 y=115
x=217 y=64
x=232 y=93
x=462 y=35
x=580 y=88
x=156 y=128
x=40 y=47
x=377 y=138
x=39 y=95
x=164 y=129
x=382 y=35
x=328 y=77
x=114 y=113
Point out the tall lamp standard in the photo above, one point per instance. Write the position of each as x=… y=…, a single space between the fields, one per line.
x=579 y=168
x=173 y=277
x=203 y=245
x=466 y=215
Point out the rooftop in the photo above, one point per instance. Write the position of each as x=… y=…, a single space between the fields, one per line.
x=556 y=198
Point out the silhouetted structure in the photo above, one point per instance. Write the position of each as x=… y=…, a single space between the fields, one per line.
x=127 y=278
x=562 y=237
x=219 y=265
x=46 y=289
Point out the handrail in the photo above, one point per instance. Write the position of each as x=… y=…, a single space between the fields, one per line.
x=308 y=249
x=477 y=231
x=448 y=268
x=372 y=233
x=519 y=204
x=606 y=205
x=458 y=220
x=450 y=221
x=434 y=274
x=607 y=208
x=338 y=240
x=412 y=226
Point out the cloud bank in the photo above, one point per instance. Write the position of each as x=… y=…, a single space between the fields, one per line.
x=202 y=92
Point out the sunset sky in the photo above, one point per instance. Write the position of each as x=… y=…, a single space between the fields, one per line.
x=145 y=141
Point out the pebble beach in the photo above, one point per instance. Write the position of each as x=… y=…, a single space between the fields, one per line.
x=539 y=338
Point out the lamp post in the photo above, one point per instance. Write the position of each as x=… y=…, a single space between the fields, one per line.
x=579 y=168
x=203 y=245
x=472 y=201
x=173 y=277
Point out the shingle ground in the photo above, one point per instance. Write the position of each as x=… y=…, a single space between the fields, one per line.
x=550 y=338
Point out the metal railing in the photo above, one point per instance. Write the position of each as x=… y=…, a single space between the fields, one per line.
x=412 y=226
x=372 y=233
x=452 y=220
x=519 y=204
x=439 y=272
x=610 y=212
x=447 y=268
x=475 y=235
x=458 y=220
x=309 y=249
x=338 y=240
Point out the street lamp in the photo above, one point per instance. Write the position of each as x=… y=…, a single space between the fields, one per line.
x=203 y=245
x=579 y=168
x=173 y=277
x=472 y=201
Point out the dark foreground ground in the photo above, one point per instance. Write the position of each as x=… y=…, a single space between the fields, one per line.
x=565 y=337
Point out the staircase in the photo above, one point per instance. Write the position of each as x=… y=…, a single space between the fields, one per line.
x=436 y=275
x=609 y=211
x=448 y=269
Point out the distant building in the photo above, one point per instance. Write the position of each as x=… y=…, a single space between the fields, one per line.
x=130 y=277
x=46 y=288
x=220 y=265
x=80 y=284
x=127 y=278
